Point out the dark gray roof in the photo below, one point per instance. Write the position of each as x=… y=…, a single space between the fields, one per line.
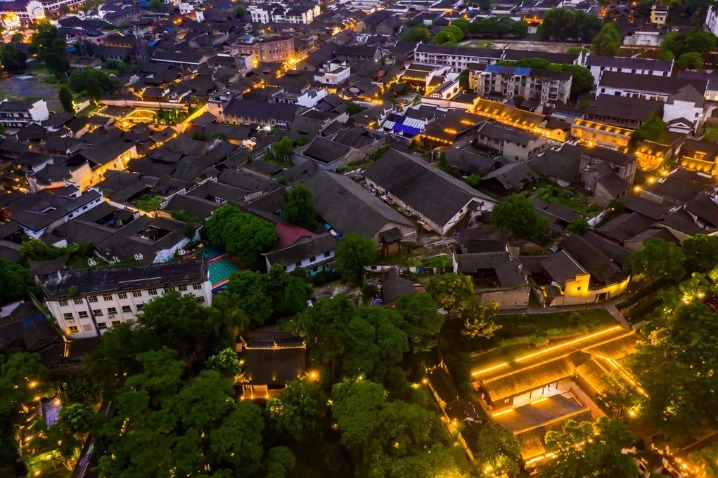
x=106 y=151
x=704 y=208
x=325 y=150
x=634 y=109
x=394 y=286
x=506 y=133
x=493 y=53
x=561 y=267
x=599 y=265
x=515 y=55
x=261 y=110
x=428 y=190
x=96 y=281
x=649 y=83
x=350 y=208
x=630 y=63
x=564 y=164
x=514 y=176
x=304 y=248
x=194 y=206
x=645 y=207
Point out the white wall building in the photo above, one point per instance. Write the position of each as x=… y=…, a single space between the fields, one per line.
x=20 y=113
x=711 y=23
x=637 y=66
x=333 y=73
x=88 y=302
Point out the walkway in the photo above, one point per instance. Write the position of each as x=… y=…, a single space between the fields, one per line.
x=610 y=307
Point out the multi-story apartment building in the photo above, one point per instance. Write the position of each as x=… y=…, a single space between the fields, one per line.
x=88 y=302
x=279 y=13
x=21 y=113
x=509 y=82
x=458 y=58
x=271 y=50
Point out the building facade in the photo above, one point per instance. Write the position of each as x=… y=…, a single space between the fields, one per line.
x=88 y=302
x=21 y=113
x=509 y=82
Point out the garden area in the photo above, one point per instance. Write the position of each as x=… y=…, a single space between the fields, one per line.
x=518 y=334
x=570 y=197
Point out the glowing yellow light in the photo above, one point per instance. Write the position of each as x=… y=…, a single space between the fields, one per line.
x=498 y=414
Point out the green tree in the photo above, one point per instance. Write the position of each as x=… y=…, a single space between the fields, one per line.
x=242 y=235
x=701 y=252
x=37 y=250
x=299 y=410
x=239 y=10
x=156 y=5
x=354 y=108
x=498 y=451
x=78 y=417
x=563 y=24
x=299 y=208
x=225 y=362
x=478 y=319
x=462 y=24
x=281 y=149
x=17 y=37
x=15 y=281
x=474 y=180
x=12 y=59
x=520 y=29
x=353 y=253
x=608 y=40
x=517 y=215
x=416 y=34
x=451 y=292
x=581 y=81
x=150 y=203
x=66 y=100
x=250 y=288
x=600 y=453
x=93 y=91
x=659 y=259
x=691 y=60
x=49 y=46
x=375 y=345
x=323 y=326
x=421 y=320
x=578 y=226
x=279 y=462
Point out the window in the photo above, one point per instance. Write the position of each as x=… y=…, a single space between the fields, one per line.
x=68 y=316
x=97 y=312
x=126 y=309
x=182 y=288
x=78 y=301
x=115 y=322
x=63 y=303
x=107 y=297
x=136 y=293
x=122 y=295
x=152 y=291
x=201 y=299
x=111 y=310
x=139 y=307
x=328 y=254
x=298 y=263
x=101 y=325
x=196 y=286
x=73 y=329
x=82 y=314
x=92 y=298
x=312 y=259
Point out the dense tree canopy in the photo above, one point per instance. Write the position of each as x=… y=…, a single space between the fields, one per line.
x=12 y=59
x=353 y=253
x=498 y=27
x=241 y=234
x=498 y=451
x=281 y=149
x=16 y=282
x=675 y=44
x=422 y=322
x=517 y=215
x=565 y=24
x=653 y=129
x=659 y=259
x=49 y=46
x=701 y=252
x=299 y=208
x=416 y=34
x=599 y=453
x=608 y=40
x=271 y=295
